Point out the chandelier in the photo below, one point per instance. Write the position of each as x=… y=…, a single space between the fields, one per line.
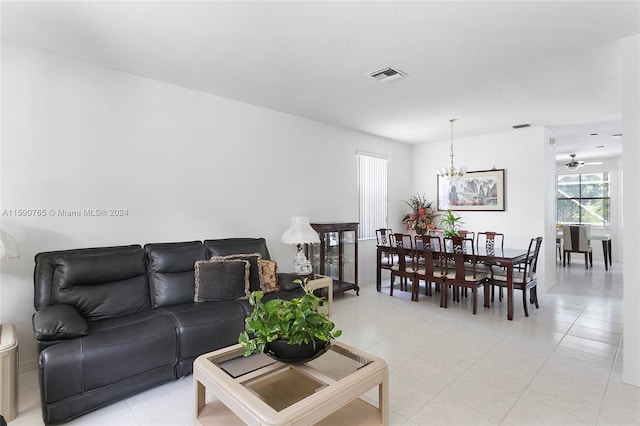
x=452 y=172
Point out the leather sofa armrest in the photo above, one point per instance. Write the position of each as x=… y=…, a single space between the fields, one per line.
x=286 y=281
x=59 y=322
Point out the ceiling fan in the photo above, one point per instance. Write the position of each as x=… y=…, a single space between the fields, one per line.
x=574 y=164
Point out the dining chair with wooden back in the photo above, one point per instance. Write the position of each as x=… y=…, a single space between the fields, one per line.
x=430 y=258
x=490 y=241
x=575 y=240
x=405 y=242
x=404 y=266
x=460 y=269
x=384 y=237
x=467 y=234
x=524 y=275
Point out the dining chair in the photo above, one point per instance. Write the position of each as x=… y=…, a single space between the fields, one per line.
x=430 y=264
x=460 y=270
x=524 y=275
x=404 y=241
x=383 y=236
x=575 y=239
x=490 y=241
x=385 y=240
x=403 y=268
x=467 y=234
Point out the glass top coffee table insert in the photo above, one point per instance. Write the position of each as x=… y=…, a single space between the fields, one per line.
x=292 y=391
x=285 y=386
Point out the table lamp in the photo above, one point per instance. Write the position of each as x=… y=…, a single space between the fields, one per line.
x=9 y=247
x=300 y=232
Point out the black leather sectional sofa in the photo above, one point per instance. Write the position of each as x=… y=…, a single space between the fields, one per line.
x=111 y=322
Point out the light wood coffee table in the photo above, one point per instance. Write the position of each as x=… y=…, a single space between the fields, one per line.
x=258 y=390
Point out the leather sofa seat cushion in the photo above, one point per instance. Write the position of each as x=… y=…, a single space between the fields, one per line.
x=171 y=268
x=115 y=350
x=103 y=285
x=206 y=326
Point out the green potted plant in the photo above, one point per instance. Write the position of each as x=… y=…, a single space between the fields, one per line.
x=451 y=224
x=287 y=329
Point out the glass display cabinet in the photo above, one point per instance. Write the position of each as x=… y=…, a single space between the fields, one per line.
x=337 y=254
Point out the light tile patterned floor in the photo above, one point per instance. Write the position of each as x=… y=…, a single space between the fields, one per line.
x=561 y=366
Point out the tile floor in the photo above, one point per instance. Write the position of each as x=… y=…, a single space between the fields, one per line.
x=561 y=366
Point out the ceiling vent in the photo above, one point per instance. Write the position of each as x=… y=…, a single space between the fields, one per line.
x=521 y=126
x=387 y=74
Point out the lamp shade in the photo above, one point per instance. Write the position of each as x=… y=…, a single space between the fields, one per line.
x=300 y=232
x=9 y=247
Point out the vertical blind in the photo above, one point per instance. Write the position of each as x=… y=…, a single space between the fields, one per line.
x=372 y=193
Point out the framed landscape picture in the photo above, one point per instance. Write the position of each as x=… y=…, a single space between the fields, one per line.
x=479 y=191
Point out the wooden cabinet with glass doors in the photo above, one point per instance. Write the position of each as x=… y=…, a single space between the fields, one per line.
x=337 y=254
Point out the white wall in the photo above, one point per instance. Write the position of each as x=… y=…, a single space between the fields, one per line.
x=527 y=159
x=631 y=183
x=185 y=165
x=548 y=172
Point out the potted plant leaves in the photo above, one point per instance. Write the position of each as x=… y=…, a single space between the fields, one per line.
x=451 y=224
x=288 y=330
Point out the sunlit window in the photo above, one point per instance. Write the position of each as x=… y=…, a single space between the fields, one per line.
x=584 y=198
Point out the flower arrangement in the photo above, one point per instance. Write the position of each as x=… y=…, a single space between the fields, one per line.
x=422 y=218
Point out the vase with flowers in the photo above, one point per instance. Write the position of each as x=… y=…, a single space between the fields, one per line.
x=422 y=217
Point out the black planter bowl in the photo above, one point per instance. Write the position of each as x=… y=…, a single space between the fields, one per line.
x=282 y=351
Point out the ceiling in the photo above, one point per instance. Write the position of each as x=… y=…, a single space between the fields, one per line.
x=490 y=64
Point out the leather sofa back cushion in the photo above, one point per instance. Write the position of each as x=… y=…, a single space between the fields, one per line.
x=45 y=267
x=171 y=269
x=227 y=246
x=102 y=286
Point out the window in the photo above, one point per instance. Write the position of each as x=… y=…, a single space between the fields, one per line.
x=372 y=193
x=584 y=198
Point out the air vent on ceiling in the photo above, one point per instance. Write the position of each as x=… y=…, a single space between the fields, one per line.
x=387 y=74
x=520 y=126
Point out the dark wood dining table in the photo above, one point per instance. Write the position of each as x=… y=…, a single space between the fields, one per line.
x=507 y=257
